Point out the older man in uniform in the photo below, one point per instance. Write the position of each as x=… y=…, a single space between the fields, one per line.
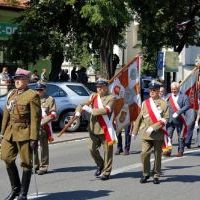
x=20 y=132
x=100 y=109
x=48 y=107
x=150 y=123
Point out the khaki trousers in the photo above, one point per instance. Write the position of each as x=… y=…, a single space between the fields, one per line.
x=10 y=150
x=147 y=146
x=95 y=143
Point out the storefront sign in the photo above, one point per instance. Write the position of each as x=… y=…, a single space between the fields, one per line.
x=171 y=61
x=7 y=29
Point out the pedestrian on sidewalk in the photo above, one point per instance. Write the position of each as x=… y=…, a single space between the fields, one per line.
x=20 y=131
x=150 y=122
x=100 y=110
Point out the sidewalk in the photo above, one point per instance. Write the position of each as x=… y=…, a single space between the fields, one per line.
x=69 y=136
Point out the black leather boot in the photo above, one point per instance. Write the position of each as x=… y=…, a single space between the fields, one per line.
x=26 y=178
x=14 y=180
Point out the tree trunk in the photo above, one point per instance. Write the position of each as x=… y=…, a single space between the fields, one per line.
x=56 y=60
x=106 y=54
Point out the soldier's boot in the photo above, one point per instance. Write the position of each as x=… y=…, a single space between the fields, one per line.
x=14 y=180
x=26 y=178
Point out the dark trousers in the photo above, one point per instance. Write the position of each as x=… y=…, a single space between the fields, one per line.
x=170 y=129
x=188 y=139
x=127 y=139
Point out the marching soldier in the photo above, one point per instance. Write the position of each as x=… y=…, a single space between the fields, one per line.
x=150 y=122
x=48 y=107
x=100 y=109
x=20 y=132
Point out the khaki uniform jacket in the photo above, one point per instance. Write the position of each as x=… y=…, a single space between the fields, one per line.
x=48 y=105
x=22 y=116
x=94 y=126
x=143 y=121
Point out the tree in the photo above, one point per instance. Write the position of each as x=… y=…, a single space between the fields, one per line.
x=107 y=20
x=161 y=25
x=66 y=28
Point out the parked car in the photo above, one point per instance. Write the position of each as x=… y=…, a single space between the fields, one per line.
x=67 y=96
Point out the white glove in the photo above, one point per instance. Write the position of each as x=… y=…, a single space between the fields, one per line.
x=196 y=125
x=149 y=130
x=77 y=114
x=175 y=115
x=163 y=120
x=134 y=136
x=87 y=108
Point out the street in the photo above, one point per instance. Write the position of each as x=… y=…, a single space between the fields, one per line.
x=71 y=170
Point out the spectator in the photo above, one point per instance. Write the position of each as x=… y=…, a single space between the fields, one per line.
x=82 y=76
x=5 y=78
x=74 y=75
x=43 y=76
x=64 y=76
x=35 y=77
x=5 y=81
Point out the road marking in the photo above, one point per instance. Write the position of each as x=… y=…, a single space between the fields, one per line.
x=138 y=165
x=34 y=195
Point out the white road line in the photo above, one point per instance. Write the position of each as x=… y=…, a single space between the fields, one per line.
x=138 y=165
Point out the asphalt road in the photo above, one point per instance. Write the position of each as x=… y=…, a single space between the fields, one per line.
x=71 y=176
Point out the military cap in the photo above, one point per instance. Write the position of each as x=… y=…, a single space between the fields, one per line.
x=154 y=85
x=101 y=82
x=40 y=86
x=22 y=73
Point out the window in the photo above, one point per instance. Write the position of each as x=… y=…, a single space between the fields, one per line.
x=78 y=89
x=55 y=91
x=52 y=90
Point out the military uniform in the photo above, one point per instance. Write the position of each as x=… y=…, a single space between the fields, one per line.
x=97 y=134
x=20 y=129
x=153 y=140
x=48 y=107
x=21 y=123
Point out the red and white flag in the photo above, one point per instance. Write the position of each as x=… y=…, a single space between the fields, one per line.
x=189 y=86
x=125 y=87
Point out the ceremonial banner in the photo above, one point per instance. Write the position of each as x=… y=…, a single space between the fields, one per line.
x=189 y=86
x=125 y=87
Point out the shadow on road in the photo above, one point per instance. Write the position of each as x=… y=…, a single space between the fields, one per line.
x=178 y=167
x=73 y=169
x=127 y=175
x=181 y=178
x=76 y=195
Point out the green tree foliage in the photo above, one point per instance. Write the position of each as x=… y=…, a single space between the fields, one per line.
x=161 y=25
x=74 y=29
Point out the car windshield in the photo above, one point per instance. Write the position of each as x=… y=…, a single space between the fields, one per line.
x=78 y=89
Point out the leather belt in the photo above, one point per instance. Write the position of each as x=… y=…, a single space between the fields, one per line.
x=20 y=120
